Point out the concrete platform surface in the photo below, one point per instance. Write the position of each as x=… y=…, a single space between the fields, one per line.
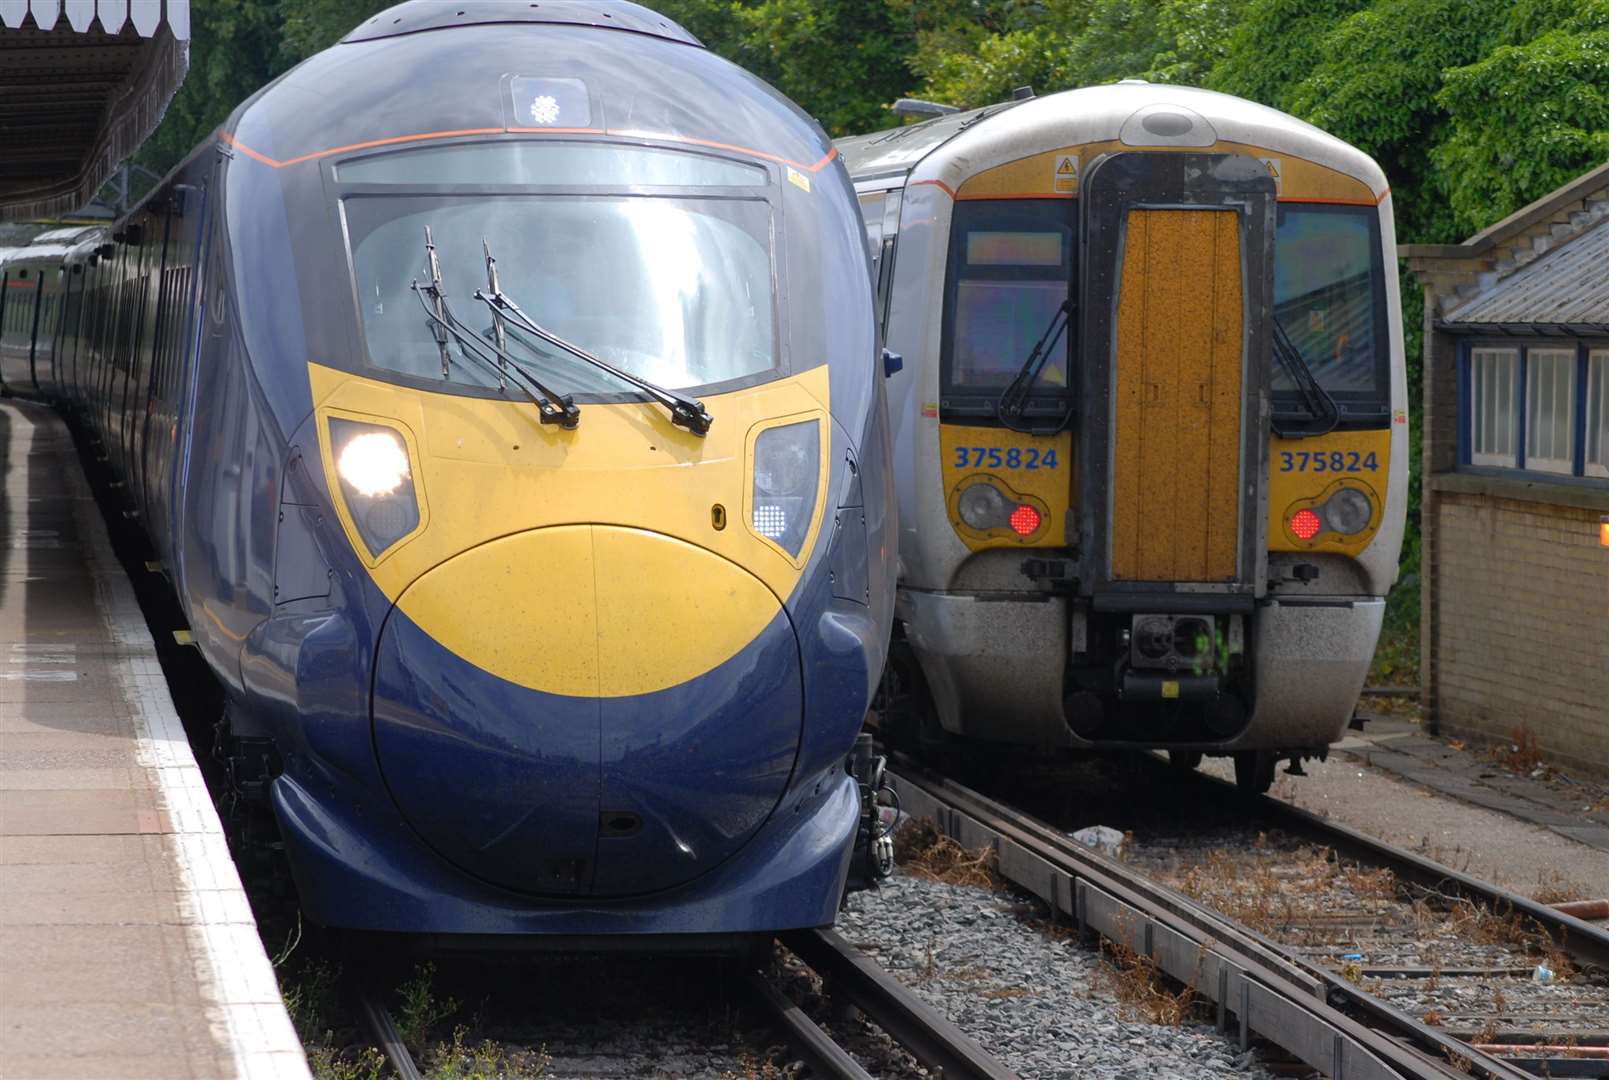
x=127 y=947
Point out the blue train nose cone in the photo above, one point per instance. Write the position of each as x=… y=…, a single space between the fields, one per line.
x=587 y=709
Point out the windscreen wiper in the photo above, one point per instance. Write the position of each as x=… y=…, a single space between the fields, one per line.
x=553 y=408
x=684 y=411
x=1014 y=398
x=1315 y=398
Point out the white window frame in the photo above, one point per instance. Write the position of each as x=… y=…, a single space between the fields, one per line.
x=1489 y=442
x=1550 y=370
x=1596 y=460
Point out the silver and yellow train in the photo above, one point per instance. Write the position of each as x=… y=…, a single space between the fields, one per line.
x=1151 y=443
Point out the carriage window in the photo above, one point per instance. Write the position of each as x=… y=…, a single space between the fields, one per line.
x=1010 y=270
x=1329 y=296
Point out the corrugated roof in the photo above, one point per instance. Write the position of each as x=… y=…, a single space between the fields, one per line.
x=82 y=84
x=1567 y=286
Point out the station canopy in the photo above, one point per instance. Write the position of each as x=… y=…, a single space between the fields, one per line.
x=82 y=84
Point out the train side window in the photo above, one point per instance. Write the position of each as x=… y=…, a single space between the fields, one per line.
x=1010 y=271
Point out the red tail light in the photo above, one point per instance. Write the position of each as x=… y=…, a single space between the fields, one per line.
x=1305 y=524
x=1025 y=520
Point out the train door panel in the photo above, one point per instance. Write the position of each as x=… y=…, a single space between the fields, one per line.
x=1177 y=397
x=1176 y=286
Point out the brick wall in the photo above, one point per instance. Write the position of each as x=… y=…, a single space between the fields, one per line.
x=1521 y=628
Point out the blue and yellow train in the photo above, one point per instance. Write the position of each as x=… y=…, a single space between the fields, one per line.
x=495 y=396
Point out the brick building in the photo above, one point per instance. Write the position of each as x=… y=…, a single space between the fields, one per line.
x=1515 y=573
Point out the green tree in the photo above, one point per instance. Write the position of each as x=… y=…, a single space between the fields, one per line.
x=1527 y=117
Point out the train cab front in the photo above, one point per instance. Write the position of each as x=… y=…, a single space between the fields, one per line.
x=1169 y=401
x=601 y=442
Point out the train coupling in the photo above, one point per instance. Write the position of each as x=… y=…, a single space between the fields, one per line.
x=873 y=860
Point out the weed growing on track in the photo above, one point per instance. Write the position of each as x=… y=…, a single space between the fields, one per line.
x=1141 y=989
x=925 y=852
x=1553 y=887
x=420 y=1009
x=458 y=1060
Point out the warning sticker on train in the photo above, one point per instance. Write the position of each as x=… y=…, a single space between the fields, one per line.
x=1065 y=180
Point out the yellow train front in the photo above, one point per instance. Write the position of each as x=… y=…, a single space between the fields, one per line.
x=1151 y=438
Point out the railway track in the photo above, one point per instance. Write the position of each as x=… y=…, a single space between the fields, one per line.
x=1260 y=986
x=851 y=979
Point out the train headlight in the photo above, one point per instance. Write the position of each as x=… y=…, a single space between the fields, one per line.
x=983 y=507
x=787 y=473
x=1348 y=511
x=371 y=462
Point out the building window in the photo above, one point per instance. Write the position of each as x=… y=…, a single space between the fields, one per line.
x=1494 y=378
x=1550 y=410
x=1597 y=432
x=1542 y=408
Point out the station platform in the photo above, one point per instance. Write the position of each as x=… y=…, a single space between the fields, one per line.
x=127 y=946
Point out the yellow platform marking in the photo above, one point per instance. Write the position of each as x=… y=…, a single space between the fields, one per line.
x=1177 y=399
x=1041 y=175
x=1049 y=490
x=1289 y=491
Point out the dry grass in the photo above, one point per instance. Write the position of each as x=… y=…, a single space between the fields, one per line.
x=1142 y=990
x=925 y=852
x=1507 y=927
x=1522 y=753
x=1553 y=887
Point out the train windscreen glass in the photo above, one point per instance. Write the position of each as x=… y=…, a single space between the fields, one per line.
x=672 y=285
x=1010 y=269
x=1329 y=295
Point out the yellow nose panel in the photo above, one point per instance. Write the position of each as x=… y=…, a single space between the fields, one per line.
x=591 y=610
x=669 y=611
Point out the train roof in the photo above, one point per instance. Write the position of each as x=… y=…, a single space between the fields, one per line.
x=54 y=246
x=1112 y=112
x=419 y=15
x=72 y=234
x=487 y=76
x=895 y=151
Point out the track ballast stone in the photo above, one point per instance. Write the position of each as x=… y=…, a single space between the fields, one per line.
x=1042 y=1004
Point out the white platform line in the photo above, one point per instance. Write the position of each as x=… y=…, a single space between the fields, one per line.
x=243 y=1005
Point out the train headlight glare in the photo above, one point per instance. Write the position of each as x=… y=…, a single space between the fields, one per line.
x=1348 y=511
x=787 y=472
x=371 y=462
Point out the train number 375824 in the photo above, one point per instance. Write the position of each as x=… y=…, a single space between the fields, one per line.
x=1327 y=461
x=1014 y=457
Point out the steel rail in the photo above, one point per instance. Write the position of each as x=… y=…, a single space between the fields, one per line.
x=932 y=1039
x=1584 y=943
x=383 y=1030
x=1269 y=992
x=823 y=1056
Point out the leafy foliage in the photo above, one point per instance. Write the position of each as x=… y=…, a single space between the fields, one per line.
x=1525 y=118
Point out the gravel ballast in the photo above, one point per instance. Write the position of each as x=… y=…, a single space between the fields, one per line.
x=1041 y=1003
